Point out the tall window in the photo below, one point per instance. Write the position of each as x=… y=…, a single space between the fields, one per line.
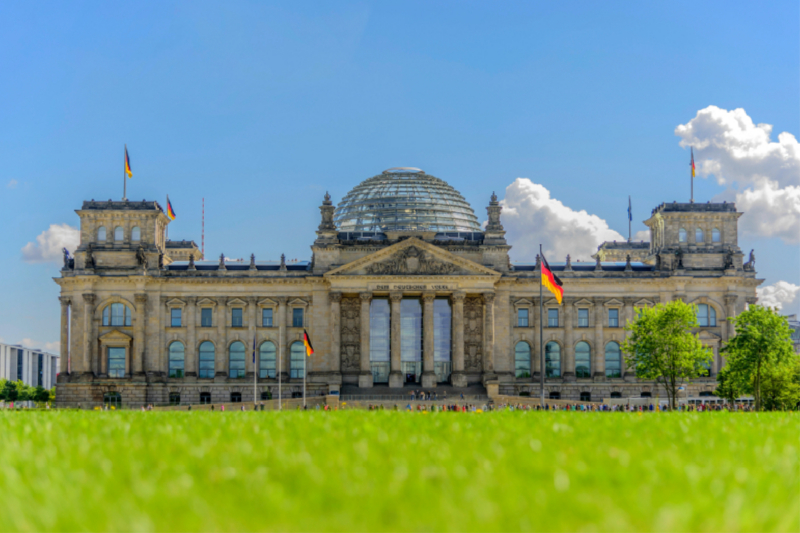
x=266 y=360
x=175 y=317
x=205 y=317
x=613 y=360
x=552 y=360
x=205 y=398
x=174 y=398
x=583 y=360
x=116 y=362
x=40 y=373
x=552 y=318
x=236 y=360
x=715 y=236
x=379 y=339
x=442 y=321
x=411 y=339
x=297 y=360
x=522 y=318
x=583 y=318
x=118 y=233
x=236 y=397
x=522 y=360
x=297 y=317
x=613 y=318
x=706 y=316
x=236 y=317
x=699 y=238
x=266 y=318
x=101 y=233
x=176 y=360
x=136 y=234
x=112 y=399
x=20 y=360
x=586 y=396
x=706 y=365
x=681 y=235
x=117 y=315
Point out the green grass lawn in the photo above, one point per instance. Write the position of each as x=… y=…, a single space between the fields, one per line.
x=398 y=471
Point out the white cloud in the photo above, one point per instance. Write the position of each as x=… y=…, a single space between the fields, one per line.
x=531 y=217
x=641 y=235
x=49 y=243
x=51 y=347
x=764 y=176
x=12 y=184
x=779 y=295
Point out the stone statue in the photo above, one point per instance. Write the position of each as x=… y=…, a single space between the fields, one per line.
x=252 y=261
x=283 y=262
x=161 y=261
x=191 y=262
x=494 y=198
x=222 y=259
x=728 y=260
x=89 y=263
x=597 y=265
x=141 y=258
x=66 y=259
x=658 y=261
x=628 y=266
x=750 y=266
x=569 y=263
x=679 y=258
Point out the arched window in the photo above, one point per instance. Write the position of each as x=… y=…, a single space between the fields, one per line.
x=552 y=360
x=236 y=360
x=586 y=396
x=236 y=397
x=681 y=235
x=266 y=360
x=613 y=360
x=715 y=236
x=706 y=316
x=616 y=395
x=136 y=234
x=297 y=361
x=118 y=233
x=101 y=233
x=176 y=352
x=583 y=360
x=174 y=398
x=112 y=399
x=706 y=365
x=522 y=360
x=699 y=238
x=206 y=366
x=117 y=315
x=116 y=362
x=555 y=395
x=205 y=398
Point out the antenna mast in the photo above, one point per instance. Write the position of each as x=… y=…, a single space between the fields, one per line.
x=203 y=231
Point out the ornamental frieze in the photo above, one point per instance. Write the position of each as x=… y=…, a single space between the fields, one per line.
x=411 y=261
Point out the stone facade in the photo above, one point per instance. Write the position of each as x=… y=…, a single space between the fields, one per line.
x=220 y=304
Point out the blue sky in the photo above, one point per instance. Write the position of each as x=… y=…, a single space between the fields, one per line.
x=261 y=107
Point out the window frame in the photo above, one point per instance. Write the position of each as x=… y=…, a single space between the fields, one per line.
x=211 y=317
x=175 y=370
x=240 y=365
x=588 y=374
x=682 y=235
x=202 y=373
x=109 y=318
x=173 y=317
x=548 y=353
x=118 y=373
x=523 y=321
x=119 y=234
x=550 y=321
x=616 y=319
x=618 y=360
x=586 y=310
x=294 y=357
x=302 y=311
x=523 y=360
x=264 y=371
x=136 y=234
x=271 y=311
x=240 y=312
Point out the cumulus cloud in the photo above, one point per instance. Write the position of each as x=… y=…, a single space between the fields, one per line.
x=12 y=184
x=50 y=347
x=49 y=243
x=763 y=176
x=641 y=235
x=779 y=295
x=531 y=216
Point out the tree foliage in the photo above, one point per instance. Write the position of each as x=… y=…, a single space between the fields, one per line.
x=661 y=346
x=760 y=356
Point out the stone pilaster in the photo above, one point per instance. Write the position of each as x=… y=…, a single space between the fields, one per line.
x=139 y=340
x=249 y=367
x=221 y=348
x=336 y=333
x=190 y=354
x=599 y=352
x=283 y=357
x=568 y=353
x=396 y=375
x=365 y=372
x=459 y=378
x=488 y=336
x=65 y=366
x=428 y=375
x=89 y=363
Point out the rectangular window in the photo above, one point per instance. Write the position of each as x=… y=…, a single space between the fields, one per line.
x=19 y=364
x=236 y=317
x=116 y=362
x=266 y=318
x=552 y=318
x=613 y=318
x=40 y=379
x=297 y=318
x=175 y=317
x=583 y=318
x=205 y=317
x=522 y=318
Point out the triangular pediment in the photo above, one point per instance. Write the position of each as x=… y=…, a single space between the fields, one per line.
x=297 y=302
x=115 y=336
x=412 y=257
x=584 y=302
x=523 y=302
x=206 y=302
x=613 y=303
x=267 y=302
x=551 y=302
x=176 y=302
x=238 y=302
x=644 y=303
x=708 y=336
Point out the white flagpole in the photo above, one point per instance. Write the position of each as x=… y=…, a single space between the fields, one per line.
x=305 y=365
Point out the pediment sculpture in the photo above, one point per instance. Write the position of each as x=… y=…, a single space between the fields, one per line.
x=411 y=261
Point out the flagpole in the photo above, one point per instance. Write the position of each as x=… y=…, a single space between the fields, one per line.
x=255 y=375
x=280 y=365
x=305 y=365
x=124 y=175
x=691 y=173
x=541 y=328
x=630 y=217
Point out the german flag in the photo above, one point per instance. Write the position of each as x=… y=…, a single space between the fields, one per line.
x=170 y=211
x=307 y=342
x=693 y=169
x=128 y=170
x=551 y=281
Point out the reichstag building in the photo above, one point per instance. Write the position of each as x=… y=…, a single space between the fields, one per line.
x=404 y=290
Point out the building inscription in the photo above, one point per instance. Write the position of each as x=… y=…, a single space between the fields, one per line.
x=413 y=287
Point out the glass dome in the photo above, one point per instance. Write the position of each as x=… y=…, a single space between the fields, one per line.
x=405 y=199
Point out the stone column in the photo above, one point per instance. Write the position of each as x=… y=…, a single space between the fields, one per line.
x=89 y=363
x=336 y=333
x=396 y=375
x=537 y=345
x=283 y=354
x=459 y=378
x=428 y=375
x=221 y=346
x=365 y=375
x=65 y=303
x=568 y=354
x=629 y=373
x=488 y=336
x=599 y=363
x=190 y=351
x=249 y=367
x=137 y=357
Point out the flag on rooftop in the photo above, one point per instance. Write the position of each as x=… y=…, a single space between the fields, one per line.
x=551 y=281
x=128 y=170
x=693 y=168
x=170 y=211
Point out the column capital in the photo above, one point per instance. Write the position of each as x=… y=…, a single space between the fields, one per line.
x=599 y=300
x=251 y=300
x=192 y=300
x=365 y=296
x=629 y=300
x=89 y=297
x=428 y=296
x=335 y=297
x=65 y=300
x=730 y=299
x=281 y=300
x=751 y=300
x=459 y=296
x=488 y=298
x=395 y=296
x=140 y=297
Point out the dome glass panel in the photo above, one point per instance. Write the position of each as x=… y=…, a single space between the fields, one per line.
x=405 y=199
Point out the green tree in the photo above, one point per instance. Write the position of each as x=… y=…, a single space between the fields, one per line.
x=728 y=387
x=780 y=386
x=41 y=395
x=10 y=393
x=761 y=345
x=661 y=346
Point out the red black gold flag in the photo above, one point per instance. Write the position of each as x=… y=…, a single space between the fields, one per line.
x=128 y=170
x=170 y=211
x=693 y=167
x=551 y=281
x=307 y=342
